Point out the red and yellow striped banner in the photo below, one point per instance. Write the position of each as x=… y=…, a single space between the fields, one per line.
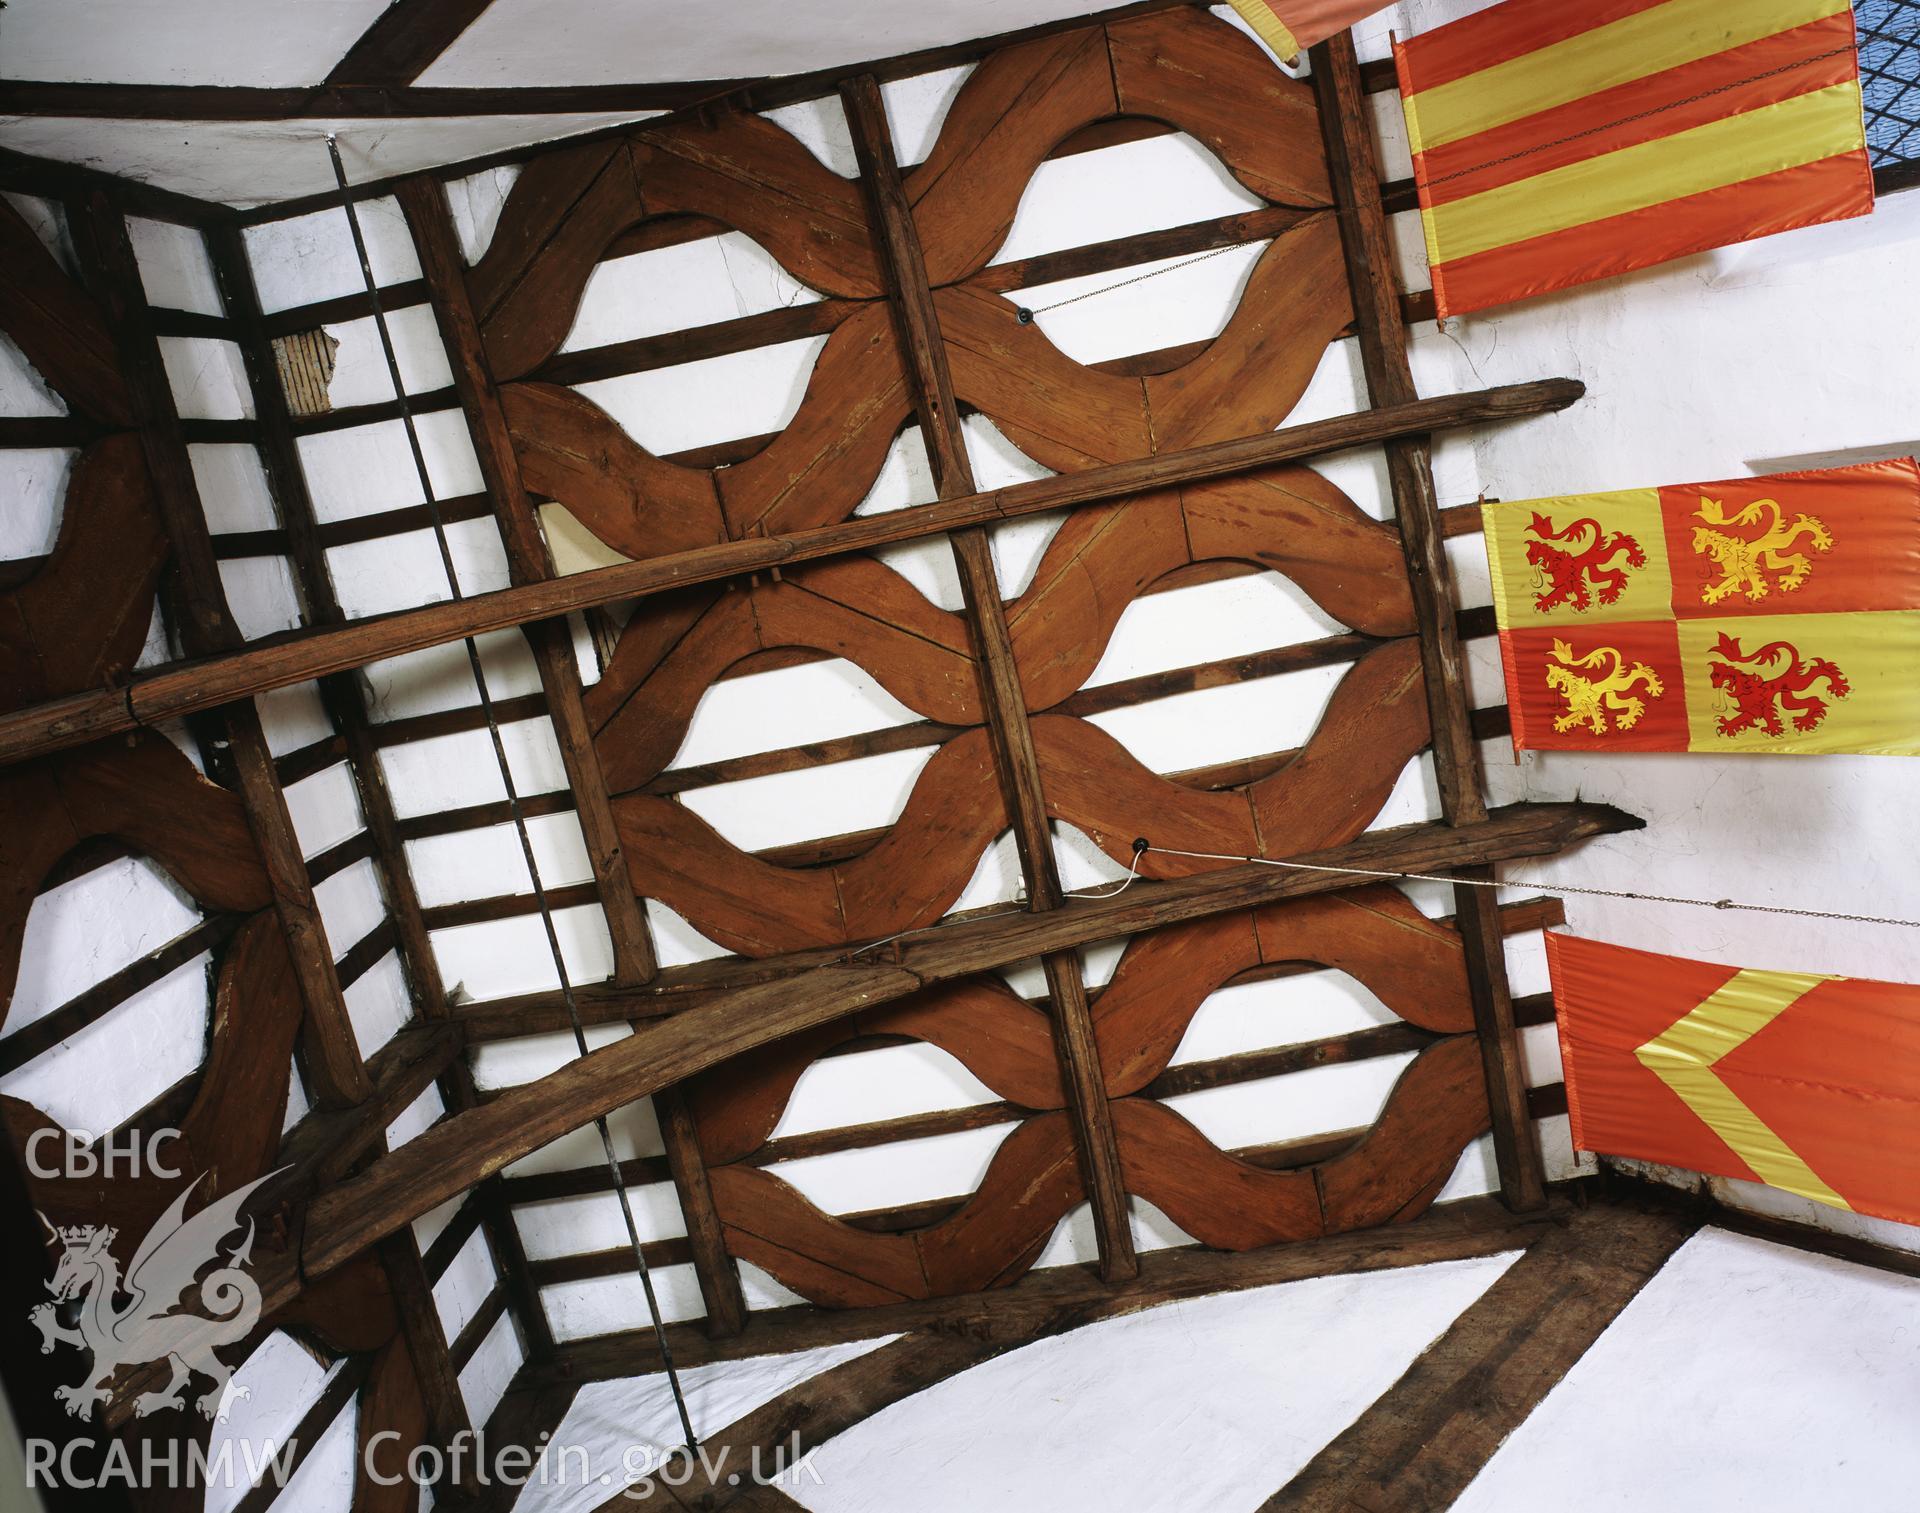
x=1757 y=614
x=1809 y=1084
x=1557 y=143
x=1290 y=27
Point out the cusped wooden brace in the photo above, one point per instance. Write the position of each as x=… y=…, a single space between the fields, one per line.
x=568 y=205
x=1375 y=724
x=1014 y=109
x=231 y=1130
x=146 y=794
x=815 y=471
x=1412 y=964
x=1190 y=69
x=825 y=459
x=1219 y=1199
x=908 y=878
x=572 y=451
x=1437 y=1108
x=58 y=326
x=741 y=169
x=994 y=1237
x=563 y=212
x=1249 y=378
x=980 y=1022
x=81 y=620
x=854 y=607
x=1180 y=65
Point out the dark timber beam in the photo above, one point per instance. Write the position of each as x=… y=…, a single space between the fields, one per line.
x=404 y=40
x=463 y=1149
x=213 y=681
x=1433 y=1431
x=1002 y=699
x=1346 y=120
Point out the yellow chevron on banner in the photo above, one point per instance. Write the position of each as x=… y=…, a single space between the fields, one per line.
x=1683 y=1056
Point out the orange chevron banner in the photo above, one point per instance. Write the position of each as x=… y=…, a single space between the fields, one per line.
x=1558 y=143
x=1290 y=27
x=1806 y=1083
x=1776 y=614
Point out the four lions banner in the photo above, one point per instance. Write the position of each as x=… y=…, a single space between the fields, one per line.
x=1758 y=614
x=1809 y=1084
x=1559 y=141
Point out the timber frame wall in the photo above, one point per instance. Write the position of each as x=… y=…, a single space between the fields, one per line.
x=362 y=1259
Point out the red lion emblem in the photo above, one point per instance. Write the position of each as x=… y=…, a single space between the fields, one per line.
x=1758 y=699
x=1567 y=573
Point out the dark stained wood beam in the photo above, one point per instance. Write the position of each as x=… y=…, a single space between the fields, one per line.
x=1430 y=1434
x=1451 y=1231
x=1346 y=122
x=469 y=1146
x=333 y=100
x=206 y=684
x=1002 y=699
x=404 y=40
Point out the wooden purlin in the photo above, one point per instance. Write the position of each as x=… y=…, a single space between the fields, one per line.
x=1347 y=122
x=337 y=1074
x=424 y=203
x=454 y=1154
x=346 y=704
x=1002 y=697
x=182 y=689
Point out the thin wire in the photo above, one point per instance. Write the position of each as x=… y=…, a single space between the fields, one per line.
x=1027 y=314
x=1557 y=887
x=1113 y=890
x=506 y=777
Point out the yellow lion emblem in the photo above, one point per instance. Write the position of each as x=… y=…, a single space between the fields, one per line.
x=1743 y=564
x=1590 y=700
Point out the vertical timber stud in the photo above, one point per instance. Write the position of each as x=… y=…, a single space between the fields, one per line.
x=425 y=203
x=331 y=1050
x=346 y=703
x=1003 y=701
x=1355 y=171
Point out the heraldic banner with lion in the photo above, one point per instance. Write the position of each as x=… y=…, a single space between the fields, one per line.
x=1760 y=614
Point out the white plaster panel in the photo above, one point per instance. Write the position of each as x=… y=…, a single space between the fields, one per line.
x=465 y=1285
x=208 y=378
x=325 y=809
x=481 y=863
x=22 y=390
x=360 y=375
x=805 y=804
x=367 y=470
x=266 y=1395
x=378 y=1003
x=454 y=771
x=715 y=399
x=175 y=269
x=233 y=487
x=196 y=42
x=484 y=1379
x=675 y=288
x=1745 y=1375
x=789 y=706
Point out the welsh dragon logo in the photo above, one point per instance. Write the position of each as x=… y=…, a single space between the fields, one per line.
x=148 y=1326
x=1742 y=562
x=1758 y=701
x=1591 y=701
x=1573 y=574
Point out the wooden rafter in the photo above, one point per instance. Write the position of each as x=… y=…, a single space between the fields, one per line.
x=447 y=1159
x=1346 y=122
x=296 y=658
x=1002 y=698
x=425 y=206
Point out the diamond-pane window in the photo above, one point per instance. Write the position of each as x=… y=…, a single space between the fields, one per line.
x=1889 y=35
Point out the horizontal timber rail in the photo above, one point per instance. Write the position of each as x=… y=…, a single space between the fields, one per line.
x=206 y=684
x=471 y=1145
